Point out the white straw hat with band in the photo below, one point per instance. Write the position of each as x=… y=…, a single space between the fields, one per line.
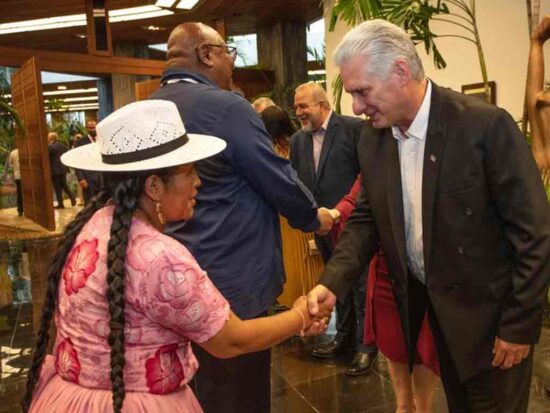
x=142 y=136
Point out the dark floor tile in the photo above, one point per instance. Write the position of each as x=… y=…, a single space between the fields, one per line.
x=290 y=401
x=300 y=367
x=277 y=381
x=340 y=393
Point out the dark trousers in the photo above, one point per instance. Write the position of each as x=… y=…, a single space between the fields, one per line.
x=493 y=391
x=350 y=313
x=92 y=190
x=238 y=385
x=60 y=184
x=19 y=196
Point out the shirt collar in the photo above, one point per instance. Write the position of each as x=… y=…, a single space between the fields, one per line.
x=324 y=126
x=176 y=73
x=419 y=125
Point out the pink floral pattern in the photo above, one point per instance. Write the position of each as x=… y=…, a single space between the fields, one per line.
x=80 y=264
x=170 y=302
x=66 y=361
x=143 y=251
x=164 y=371
x=174 y=283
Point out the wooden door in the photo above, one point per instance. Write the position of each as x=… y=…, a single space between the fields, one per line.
x=146 y=88
x=28 y=101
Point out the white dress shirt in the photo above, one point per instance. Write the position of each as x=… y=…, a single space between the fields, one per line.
x=318 y=136
x=411 y=158
x=14 y=163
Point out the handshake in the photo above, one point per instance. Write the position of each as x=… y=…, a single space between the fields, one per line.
x=315 y=310
x=327 y=218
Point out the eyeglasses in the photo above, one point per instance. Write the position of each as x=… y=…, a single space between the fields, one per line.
x=303 y=106
x=230 y=50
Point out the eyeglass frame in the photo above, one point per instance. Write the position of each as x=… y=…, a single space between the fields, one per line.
x=230 y=50
x=304 y=106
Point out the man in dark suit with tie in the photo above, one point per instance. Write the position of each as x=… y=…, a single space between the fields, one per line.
x=324 y=153
x=452 y=194
x=58 y=171
x=89 y=181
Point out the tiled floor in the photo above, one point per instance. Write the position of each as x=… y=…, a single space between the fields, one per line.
x=299 y=382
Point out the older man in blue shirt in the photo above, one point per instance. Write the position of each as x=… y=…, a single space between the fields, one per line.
x=234 y=233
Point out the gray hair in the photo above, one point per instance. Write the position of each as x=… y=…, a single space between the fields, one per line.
x=262 y=103
x=382 y=43
x=317 y=91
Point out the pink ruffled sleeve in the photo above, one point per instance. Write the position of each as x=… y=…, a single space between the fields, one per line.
x=180 y=296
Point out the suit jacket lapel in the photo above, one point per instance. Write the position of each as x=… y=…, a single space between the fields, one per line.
x=433 y=156
x=309 y=164
x=330 y=134
x=395 y=196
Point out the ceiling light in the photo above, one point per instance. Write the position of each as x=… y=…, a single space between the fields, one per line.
x=80 y=35
x=177 y=4
x=77 y=99
x=62 y=87
x=74 y=20
x=186 y=4
x=165 y=3
x=64 y=108
x=137 y=13
x=152 y=28
x=70 y=91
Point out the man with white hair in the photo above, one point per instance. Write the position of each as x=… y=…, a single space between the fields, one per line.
x=324 y=153
x=461 y=215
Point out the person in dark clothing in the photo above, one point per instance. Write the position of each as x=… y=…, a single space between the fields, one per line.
x=235 y=232
x=462 y=218
x=89 y=181
x=58 y=171
x=324 y=155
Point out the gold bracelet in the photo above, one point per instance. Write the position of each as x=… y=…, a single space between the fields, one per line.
x=301 y=333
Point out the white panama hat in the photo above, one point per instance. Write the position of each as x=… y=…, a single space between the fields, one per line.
x=142 y=136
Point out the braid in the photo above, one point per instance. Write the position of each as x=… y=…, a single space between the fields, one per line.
x=69 y=236
x=125 y=196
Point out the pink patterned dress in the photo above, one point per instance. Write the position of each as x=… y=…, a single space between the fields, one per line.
x=169 y=302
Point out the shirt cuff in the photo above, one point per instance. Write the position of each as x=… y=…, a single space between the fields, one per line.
x=312 y=226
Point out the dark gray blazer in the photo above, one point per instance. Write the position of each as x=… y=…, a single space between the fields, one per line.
x=338 y=163
x=486 y=228
x=92 y=177
x=55 y=150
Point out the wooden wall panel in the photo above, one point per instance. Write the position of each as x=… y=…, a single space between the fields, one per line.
x=146 y=88
x=252 y=82
x=81 y=63
x=33 y=148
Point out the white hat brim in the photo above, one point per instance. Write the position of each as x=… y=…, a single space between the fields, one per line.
x=88 y=157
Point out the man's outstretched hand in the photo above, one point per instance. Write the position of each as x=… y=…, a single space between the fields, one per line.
x=320 y=295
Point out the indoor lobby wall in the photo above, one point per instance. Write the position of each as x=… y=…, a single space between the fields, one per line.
x=505 y=40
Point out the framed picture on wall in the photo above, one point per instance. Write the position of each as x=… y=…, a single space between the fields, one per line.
x=478 y=90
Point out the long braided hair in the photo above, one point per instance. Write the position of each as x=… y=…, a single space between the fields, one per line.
x=50 y=301
x=126 y=190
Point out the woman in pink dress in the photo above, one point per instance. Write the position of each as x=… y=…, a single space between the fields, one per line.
x=127 y=299
x=413 y=392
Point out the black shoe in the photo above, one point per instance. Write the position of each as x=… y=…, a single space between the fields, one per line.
x=59 y=207
x=330 y=349
x=73 y=202
x=362 y=364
